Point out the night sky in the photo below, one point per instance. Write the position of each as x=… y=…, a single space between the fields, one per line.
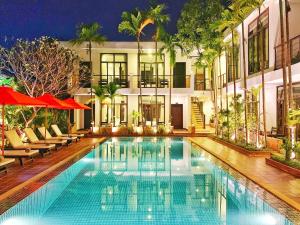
x=29 y=19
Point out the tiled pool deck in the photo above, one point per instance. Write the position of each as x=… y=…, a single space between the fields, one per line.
x=281 y=184
x=20 y=181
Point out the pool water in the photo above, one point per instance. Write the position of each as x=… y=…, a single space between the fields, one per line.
x=144 y=181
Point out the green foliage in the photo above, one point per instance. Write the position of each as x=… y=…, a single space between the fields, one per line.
x=111 y=89
x=6 y=81
x=99 y=92
x=132 y=23
x=135 y=116
x=282 y=159
x=195 y=19
x=288 y=147
x=293 y=117
x=156 y=14
x=170 y=43
x=90 y=33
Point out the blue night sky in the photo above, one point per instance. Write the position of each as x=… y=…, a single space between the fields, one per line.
x=58 y=18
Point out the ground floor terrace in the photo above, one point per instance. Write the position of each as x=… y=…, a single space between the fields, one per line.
x=192 y=179
x=185 y=110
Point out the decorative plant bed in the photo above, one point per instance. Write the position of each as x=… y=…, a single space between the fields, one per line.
x=279 y=165
x=258 y=153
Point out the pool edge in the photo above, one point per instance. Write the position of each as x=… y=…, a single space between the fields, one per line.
x=294 y=204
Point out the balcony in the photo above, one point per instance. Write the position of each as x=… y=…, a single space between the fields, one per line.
x=132 y=81
x=163 y=81
x=294 y=50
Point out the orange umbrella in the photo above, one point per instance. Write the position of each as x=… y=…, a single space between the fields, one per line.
x=10 y=97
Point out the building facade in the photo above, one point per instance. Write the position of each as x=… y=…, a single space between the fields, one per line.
x=269 y=28
x=117 y=62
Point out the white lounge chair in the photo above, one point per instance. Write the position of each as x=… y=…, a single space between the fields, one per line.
x=58 y=132
x=17 y=143
x=21 y=154
x=34 y=139
x=4 y=163
x=46 y=135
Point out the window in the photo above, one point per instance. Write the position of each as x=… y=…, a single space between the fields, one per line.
x=116 y=113
x=202 y=81
x=233 y=64
x=114 y=69
x=85 y=74
x=149 y=107
x=148 y=71
x=257 y=35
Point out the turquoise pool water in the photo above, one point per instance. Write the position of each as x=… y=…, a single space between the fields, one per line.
x=132 y=181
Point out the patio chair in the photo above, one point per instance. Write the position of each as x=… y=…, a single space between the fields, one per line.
x=46 y=135
x=58 y=132
x=21 y=154
x=34 y=139
x=4 y=164
x=16 y=142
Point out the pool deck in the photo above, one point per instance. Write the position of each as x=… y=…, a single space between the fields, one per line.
x=20 y=181
x=286 y=187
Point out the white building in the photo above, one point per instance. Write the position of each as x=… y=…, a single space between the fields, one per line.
x=273 y=73
x=117 y=61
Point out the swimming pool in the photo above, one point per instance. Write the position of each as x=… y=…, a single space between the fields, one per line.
x=145 y=181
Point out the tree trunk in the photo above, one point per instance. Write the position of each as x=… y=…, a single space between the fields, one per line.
x=140 y=81
x=100 y=116
x=234 y=87
x=262 y=67
x=284 y=76
x=227 y=101
x=91 y=89
x=156 y=80
x=215 y=100
x=245 y=83
x=170 y=94
x=287 y=22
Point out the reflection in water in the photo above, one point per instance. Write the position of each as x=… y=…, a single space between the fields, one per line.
x=155 y=180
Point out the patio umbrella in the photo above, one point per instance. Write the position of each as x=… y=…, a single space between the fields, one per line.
x=52 y=102
x=10 y=97
x=76 y=105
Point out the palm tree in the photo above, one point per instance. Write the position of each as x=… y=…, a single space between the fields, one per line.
x=283 y=63
x=89 y=33
x=287 y=24
x=170 y=44
x=229 y=21
x=241 y=9
x=133 y=24
x=159 y=19
x=100 y=94
x=111 y=90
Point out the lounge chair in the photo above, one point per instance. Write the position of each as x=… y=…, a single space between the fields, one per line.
x=46 y=135
x=17 y=143
x=58 y=132
x=4 y=163
x=21 y=154
x=34 y=139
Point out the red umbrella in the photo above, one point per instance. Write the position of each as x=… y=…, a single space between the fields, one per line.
x=11 y=97
x=54 y=103
x=76 y=105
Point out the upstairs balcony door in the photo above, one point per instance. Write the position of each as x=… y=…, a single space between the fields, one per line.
x=179 y=75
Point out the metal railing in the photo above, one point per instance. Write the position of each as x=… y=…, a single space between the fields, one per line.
x=133 y=81
x=294 y=50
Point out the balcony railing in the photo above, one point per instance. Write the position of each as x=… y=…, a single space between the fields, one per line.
x=294 y=50
x=162 y=82
x=133 y=81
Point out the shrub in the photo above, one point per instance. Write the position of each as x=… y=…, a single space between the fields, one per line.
x=280 y=158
